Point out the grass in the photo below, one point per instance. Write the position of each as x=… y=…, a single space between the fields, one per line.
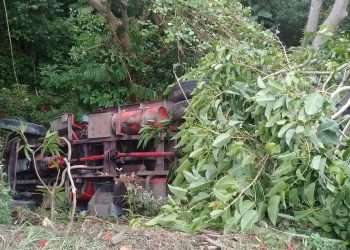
x=30 y=231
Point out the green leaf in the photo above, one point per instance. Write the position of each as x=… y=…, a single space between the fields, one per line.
x=199 y=197
x=293 y=198
x=222 y=140
x=225 y=182
x=222 y=195
x=272 y=148
x=196 y=153
x=318 y=162
x=261 y=83
x=300 y=175
x=262 y=98
x=189 y=176
x=273 y=208
x=285 y=168
x=313 y=103
x=299 y=129
x=162 y=219
x=284 y=129
x=278 y=187
x=211 y=171
x=179 y=193
x=328 y=132
x=185 y=165
x=289 y=136
x=232 y=222
x=198 y=184
x=279 y=103
x=249 y=219
x=244 y=206
x=216 y=213
x=309 y=193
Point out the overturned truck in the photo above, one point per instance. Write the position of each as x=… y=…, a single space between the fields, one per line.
x=105 y=153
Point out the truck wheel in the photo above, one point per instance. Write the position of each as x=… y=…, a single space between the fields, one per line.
x=176 y=94
x=28 y=127
x=178 y=110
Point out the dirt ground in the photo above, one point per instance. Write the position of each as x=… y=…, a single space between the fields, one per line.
x=94 y=233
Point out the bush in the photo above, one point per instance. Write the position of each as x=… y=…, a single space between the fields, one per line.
x=261 y=142
x=5 y=200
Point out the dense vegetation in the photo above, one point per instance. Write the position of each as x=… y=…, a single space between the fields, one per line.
x=67 y=58
x=264 y=140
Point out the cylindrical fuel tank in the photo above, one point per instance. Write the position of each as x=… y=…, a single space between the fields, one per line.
x=131 y=119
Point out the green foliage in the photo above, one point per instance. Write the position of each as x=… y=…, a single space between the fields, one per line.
x=288 y=17
x=18 y=101
x=142 y=202
x=153 y=133
x=40 y=35
x=65 y=54
x=5 y=200
x=259 y=142
x=316 y=242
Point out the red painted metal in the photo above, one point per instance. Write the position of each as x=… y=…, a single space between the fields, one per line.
x=129 y=121
x=92 y=158
x=88 y=192
x=155 y=154
x=106 y=136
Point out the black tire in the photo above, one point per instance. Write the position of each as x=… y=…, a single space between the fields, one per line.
x=178 y=110
x=28 y=127
x=176 y=94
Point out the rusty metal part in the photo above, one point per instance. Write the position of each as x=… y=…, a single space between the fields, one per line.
x=106 y=143
x=129 y=121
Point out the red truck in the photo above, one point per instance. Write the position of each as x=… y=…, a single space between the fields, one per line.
x=105 y=151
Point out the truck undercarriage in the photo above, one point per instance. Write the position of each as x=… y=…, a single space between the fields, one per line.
x=105 y=153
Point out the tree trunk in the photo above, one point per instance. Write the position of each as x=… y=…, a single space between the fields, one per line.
x=314 y=16
x=123 y=31
x=119 y=26
x=334 y=19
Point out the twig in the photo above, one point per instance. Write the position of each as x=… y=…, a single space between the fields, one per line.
x=286 y=70
x=284 y=51
x=97 y=219
x=251 y=67
x=343 y=133
x=2 y=238
x=74 y=193
x=275 y=73
x=339 y=90
x=346 y=128
x=327 y=81
x=315 y=72
x=37 y=172
x=262 y=162
x=345 y=78
x=74 y=189
x=179 y=83
x=342 y=110
x=213 y=242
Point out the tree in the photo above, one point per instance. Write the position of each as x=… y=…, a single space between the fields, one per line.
x=336 y=16
x=119 y=26
x=314 y=16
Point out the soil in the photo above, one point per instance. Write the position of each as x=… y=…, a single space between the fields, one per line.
x=95 y=233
